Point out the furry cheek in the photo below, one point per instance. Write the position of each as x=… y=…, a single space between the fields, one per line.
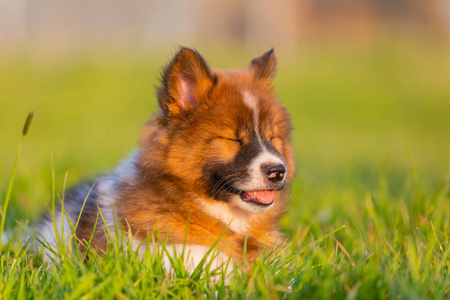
x=185 y=163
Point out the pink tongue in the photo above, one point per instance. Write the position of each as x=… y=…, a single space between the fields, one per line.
x=265 y=197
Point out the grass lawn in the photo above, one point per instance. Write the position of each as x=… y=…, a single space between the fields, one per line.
x=370 y=206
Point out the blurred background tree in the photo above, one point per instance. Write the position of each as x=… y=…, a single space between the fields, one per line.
x=157 y=23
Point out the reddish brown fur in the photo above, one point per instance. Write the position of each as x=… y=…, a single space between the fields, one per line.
x=176 y=142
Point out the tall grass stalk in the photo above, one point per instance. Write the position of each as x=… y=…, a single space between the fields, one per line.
x=25 y=129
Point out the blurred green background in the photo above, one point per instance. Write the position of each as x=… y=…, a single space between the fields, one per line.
x=370 y=104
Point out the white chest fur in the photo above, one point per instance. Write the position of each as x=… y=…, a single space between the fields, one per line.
x=238 y=220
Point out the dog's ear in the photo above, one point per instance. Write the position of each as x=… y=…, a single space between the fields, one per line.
x=264 y=67
x=185 y=81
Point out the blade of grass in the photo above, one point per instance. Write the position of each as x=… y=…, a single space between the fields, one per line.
x=8 y=193
x=84 y=203
x=13 y=175
x=244 y=254
x=88 y=246
x=46 y=244
x=107 y=229
x=62 y=205
x=323 y=237
x=55 y=227
x=196 y=274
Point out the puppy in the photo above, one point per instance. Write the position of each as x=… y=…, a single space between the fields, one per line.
x=212 y=165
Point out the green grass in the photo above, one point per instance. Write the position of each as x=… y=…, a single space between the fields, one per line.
x=372 y=145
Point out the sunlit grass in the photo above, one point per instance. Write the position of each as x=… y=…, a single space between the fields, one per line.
x=372 y=145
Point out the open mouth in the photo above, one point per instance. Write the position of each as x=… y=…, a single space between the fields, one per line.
x=258 y=197
x=261 y=197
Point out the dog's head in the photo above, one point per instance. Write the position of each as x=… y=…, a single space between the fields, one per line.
x=223 y=135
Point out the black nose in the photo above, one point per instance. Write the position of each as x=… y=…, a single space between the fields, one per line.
x=275 y=173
